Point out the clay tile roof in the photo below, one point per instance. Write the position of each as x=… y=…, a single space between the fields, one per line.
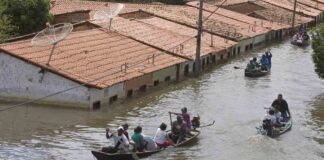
x=278 y=14
x=290 y=6
x=313 y=4
x=160 y=38
x=95 y=57
x=219 y=42
x=218 y=24
x=240 y=17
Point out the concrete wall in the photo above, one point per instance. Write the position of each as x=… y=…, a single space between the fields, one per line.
x=135 y=83
x=160 y=75
x=20 y=80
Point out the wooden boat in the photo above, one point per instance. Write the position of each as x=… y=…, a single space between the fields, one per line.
x=100 y=155
x=258 y=73
x=302 y=41
x=276 y=132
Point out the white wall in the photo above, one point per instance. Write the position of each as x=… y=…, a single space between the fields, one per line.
x=21 y=80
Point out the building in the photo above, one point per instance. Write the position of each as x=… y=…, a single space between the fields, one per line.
x=103 y=66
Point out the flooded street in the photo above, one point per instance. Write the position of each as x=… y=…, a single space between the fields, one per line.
x=222 y=94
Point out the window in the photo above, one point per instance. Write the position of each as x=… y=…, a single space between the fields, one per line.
x=168 y=78
x=222 y=57
x=186 y=70
x=251 y=46
x=214 y=58
x=228 y=55
x=234 y=51
x=130 y=93
x=239 y=50
x=142 y=88
x=156 y=83
x=96 y=105
x=208 y=60
x=113 y=99
x=246 y=47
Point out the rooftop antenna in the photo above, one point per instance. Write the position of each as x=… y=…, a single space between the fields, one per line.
x=110 y=13
x=51 y=36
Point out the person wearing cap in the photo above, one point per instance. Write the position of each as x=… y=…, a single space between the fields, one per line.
x=178 y=130
x=125 y=127
x=121 y=143
x=282 y=106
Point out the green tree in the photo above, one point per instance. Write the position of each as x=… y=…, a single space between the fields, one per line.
x=318 y=47
x=18 y=17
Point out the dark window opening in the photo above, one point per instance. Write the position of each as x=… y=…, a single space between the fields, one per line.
x=239 y=50
x=208 y=60
x=222 y=57
x=129 y=93
x=186 y=70
x=203 y=63
x=96 y=105
x=214 y=58
x=246 y=47
x=168 y=78
x=156 y=83
x=194 y=67
x=251 y=46
x=228 y=55
x=113 y=99
x=142 y=88
x=234 y=51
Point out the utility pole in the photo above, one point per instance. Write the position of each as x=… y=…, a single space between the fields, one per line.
x=293 y=19
x=198 y=45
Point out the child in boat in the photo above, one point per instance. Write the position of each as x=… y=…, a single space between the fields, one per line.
x=161 y=137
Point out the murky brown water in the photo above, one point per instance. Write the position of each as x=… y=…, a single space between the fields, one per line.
x=223 y=94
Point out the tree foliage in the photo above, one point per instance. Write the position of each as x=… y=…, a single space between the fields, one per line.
x=18 y=17
x=318 y=47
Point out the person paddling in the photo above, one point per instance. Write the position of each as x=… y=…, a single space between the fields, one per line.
x=185 y=116
x=282 y=106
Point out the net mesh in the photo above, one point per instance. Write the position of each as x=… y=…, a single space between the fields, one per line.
x=112 y=11
x=52 y=34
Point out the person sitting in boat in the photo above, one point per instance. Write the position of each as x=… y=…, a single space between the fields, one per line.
x=121 y=143
x=282 y=106
x=178 y=130
x=250 y=66
x=273 y=119
x=255 y=62
x=125 y=127
x=264 y=63
x=186 y=117
x=138 y=139
x=161 y=137
x=305 y=37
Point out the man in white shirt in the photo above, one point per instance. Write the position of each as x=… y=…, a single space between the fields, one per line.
x=121 y=142
x=161 y=137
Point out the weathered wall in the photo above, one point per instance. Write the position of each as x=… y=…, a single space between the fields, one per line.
x=160 y=75
x=116 y=89
x=137 y=82
x=21 y=80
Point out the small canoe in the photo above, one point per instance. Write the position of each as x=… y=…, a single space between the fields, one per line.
x=300 y=43
x=255 y=74
x=277 y=132
x=129 y=156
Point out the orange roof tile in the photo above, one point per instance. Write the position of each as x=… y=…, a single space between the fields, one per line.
x=286 y=4
x=218 y=24
x=94 y=57
x=313 y=4
x=158 y=37
x=184 y=30
x=240 y=17
x=278 y=14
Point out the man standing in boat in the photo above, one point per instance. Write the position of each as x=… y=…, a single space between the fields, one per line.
x=268 y=55
x=282 y=106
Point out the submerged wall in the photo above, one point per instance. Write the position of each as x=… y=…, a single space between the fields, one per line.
x=21 y=80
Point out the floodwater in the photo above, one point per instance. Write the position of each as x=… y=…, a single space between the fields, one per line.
x=222 y=94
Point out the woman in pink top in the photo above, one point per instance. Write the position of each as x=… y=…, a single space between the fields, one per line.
x=185 y=116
